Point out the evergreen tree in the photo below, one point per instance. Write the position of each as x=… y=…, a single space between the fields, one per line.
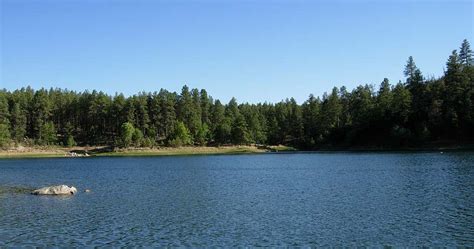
x=141 y=113
x=220 y=124
x=331 y=110
x=117 y=114
x=206 y=103
x=295 y=122
x=255 y=123
x=18 y=123
x=189 y=110
x=196 y=116
x=311 y=111
x=154 y=111
x=47 y=133
x=4 y=120
x=417 y=87
x=240 y=134
x=400 y=108
x=41 y=112
x=458 y=97
x=383 y=111
x=168 y=117
x=4 y=135
x=465 y=53
x=97 y=115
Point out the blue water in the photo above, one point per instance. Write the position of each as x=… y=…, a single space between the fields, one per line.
x=315 y=199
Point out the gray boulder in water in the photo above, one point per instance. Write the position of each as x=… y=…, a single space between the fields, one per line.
x=55 y=190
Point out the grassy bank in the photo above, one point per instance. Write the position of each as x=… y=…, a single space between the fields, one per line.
x=51 y=152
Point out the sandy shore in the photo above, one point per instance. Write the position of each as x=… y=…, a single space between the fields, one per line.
x=48 y=152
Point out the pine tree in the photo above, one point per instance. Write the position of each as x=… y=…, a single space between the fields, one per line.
x=168 y=117
x=196 y=114
x=240 y=134
x=117 y=114
x=41 y=112
x=401 y=105
x=311 y=110
x=154 y=112
x=206 y=103
x=415 y=83
x=295 y=120
x=4 y=120
x=458 y=97
x=220 y=124
x=18 y=123
x=141 y=113
x=465 y=53
x=384 y=100
x=185 y=105
x=331 y=111
x=47 y=134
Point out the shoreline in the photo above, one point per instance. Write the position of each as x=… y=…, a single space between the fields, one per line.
x=103 y=151
x=74 y=152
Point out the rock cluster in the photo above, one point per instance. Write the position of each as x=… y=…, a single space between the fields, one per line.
x=74 y=154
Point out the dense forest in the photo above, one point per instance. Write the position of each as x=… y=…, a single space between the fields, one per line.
x=417 y=112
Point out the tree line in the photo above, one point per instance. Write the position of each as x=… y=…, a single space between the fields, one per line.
x=419 y=111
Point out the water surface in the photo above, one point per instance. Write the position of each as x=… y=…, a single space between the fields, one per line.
x=313 y=199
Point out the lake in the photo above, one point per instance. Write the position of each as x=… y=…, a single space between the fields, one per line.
x=297 y=199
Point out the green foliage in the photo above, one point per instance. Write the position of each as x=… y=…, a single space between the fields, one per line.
x=4 y=120
x=18 y=123
x=41 y=113
x=126 y=134
x=202 y=135
x=137 y=137
x=465 y=53
x=147 y=142
x=223 y=131
x=401 y=104
x=181 y=136
x=70 y=142
x=4 y=135
x=240 y=134
x=47 y=134
x=4 y=112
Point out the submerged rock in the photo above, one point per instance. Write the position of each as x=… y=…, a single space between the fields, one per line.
x=55 y=190
x=15 y=190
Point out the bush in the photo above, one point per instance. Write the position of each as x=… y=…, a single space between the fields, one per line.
x=148 y=142
x=70 y=142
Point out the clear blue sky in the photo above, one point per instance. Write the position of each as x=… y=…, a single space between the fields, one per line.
x=254 y=50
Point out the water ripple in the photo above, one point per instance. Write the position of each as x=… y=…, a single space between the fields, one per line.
x=279 y=200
